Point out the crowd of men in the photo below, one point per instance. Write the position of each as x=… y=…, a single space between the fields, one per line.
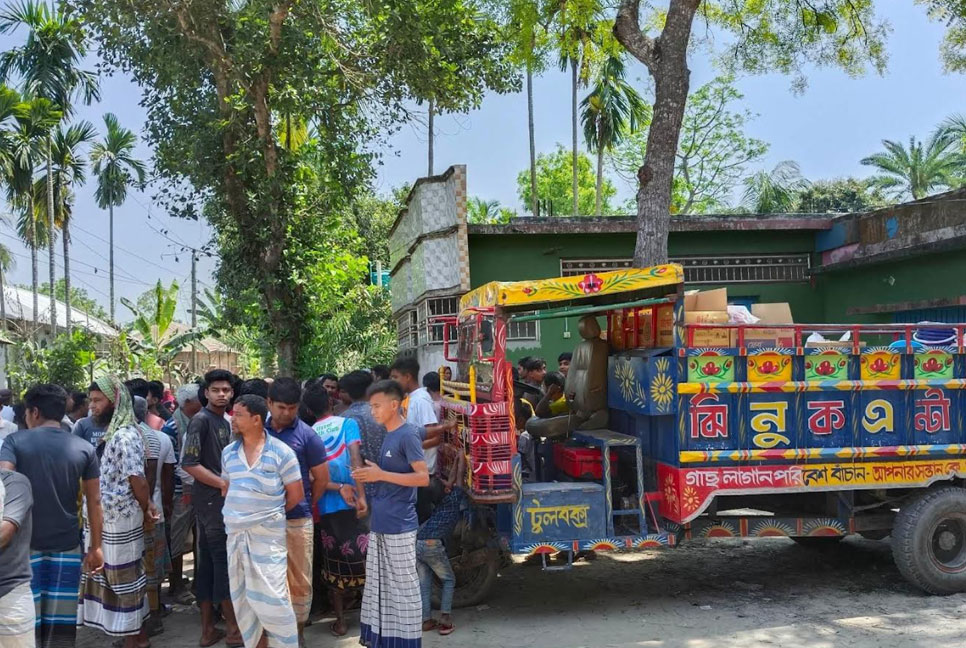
x=291 y=497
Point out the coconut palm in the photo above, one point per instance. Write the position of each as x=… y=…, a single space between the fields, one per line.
x=482 y=212
x=48 y=66
x=32 y=120
x=918 y=170
x=576 y=46
x=69 y=167
x=116 y=169
x=156 y=340
x=611 y=111
x=775 y=191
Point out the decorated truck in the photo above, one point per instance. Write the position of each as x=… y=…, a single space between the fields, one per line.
x=680 y=426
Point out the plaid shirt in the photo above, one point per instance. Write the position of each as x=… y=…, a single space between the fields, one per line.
x=441 y=523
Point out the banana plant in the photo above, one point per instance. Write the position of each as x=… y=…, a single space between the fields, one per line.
x=154 y=340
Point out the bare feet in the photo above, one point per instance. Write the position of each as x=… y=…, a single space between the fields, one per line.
x=210 y=637
x=338 y=629
x=429 y=624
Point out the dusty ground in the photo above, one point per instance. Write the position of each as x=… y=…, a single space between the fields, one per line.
x=721 y=593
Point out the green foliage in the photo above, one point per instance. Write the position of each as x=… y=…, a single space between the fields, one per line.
x=951 y=13
x=613 y=109
x=48 y=62
x=488 y=212
x=373 y=216
x=155 y=343
x=359 y=334
x=114 y=164
x=713 y=150
x=775 y=191
x=843 y=195
x=224 y=80
x=554 y=183
x=920 y=169
x=66 y=361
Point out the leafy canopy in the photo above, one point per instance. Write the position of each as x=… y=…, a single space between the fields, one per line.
x=555 y=183
x=713 y=152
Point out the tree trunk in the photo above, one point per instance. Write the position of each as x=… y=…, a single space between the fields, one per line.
x=533 y=145
x=573 y=102
x=50 y=236
x=598 y=208
x=110 y=270
x=431 y=137
x=666 y=60
x=3 y=320
x=65 y=235
x=34 y=266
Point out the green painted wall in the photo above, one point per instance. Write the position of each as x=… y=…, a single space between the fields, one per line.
x=537 y=256
x=923 y=277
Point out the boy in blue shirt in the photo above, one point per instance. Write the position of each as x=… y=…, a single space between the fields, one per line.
x=391 y=605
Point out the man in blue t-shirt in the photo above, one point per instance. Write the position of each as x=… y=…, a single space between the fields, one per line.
x=285 y=425
x=391 y=604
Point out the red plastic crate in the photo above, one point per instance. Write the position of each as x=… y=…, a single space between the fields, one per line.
x=582 y=463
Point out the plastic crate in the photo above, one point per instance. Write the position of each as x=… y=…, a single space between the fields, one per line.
x=492 y=446
x=581 y=462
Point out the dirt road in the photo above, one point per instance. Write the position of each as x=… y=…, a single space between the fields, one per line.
x=722 y=593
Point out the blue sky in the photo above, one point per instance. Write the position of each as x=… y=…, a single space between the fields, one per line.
x=827 y=130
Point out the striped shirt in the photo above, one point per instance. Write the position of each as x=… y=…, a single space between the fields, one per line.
x=256 y=494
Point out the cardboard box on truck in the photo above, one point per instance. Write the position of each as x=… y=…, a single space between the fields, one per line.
x=708 y=307
x=761 y=335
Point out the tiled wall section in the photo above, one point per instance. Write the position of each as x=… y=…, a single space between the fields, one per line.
x=441 y=258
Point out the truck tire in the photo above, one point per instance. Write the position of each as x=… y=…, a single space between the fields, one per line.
x=929 y=541
x=473 y=584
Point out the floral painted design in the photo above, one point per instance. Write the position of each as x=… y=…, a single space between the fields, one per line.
x=662 y=387
x=671 y=493
x=829 y=365
x=711 y=367
x=934 y=365
x=628 y=384
x=590 y=284
x=690 y=499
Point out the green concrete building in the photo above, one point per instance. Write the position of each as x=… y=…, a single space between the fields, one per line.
x=902 y=264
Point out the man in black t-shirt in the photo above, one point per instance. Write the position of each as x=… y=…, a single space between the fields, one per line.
x=16 y=598
x=208 y=434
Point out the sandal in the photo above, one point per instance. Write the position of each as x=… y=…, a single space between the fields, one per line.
x=217 y=636
x=446 y=629
x=430 y=624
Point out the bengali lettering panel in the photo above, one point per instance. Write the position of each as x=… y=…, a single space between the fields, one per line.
x=770 y=421
x=710 y=420
x=934 y=414
x=826 y=420
x=881 y=418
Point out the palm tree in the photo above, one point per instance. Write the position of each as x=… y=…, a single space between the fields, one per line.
x=482 y=212
x=7 y=263
x=775 y=191
x=610 y=112
x=48 y=66
x=919 y=169
x=116 y=169
x=68 y=169
x=33 y=119
x=576 y=46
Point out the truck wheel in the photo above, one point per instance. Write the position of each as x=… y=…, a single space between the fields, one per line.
x=929 y=541
x=473 y=584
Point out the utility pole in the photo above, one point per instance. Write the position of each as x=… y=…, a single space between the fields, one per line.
x=431 y=135
x=194 y=309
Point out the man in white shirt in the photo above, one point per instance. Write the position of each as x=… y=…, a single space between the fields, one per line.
x=419 y=409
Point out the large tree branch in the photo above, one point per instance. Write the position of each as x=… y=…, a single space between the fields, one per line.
x=627 y=30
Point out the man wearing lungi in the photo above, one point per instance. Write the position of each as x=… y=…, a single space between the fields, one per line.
x=391 y=603
x=114 y=600
x=57 y=464
x=263 y=481
x=285 y=425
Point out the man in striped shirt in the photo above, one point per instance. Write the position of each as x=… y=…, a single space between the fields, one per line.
x=263 y=482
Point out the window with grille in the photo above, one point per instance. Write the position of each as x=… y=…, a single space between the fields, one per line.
x=725 y=268
x=438 y=307
x=407 y=331
x=517 y=331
